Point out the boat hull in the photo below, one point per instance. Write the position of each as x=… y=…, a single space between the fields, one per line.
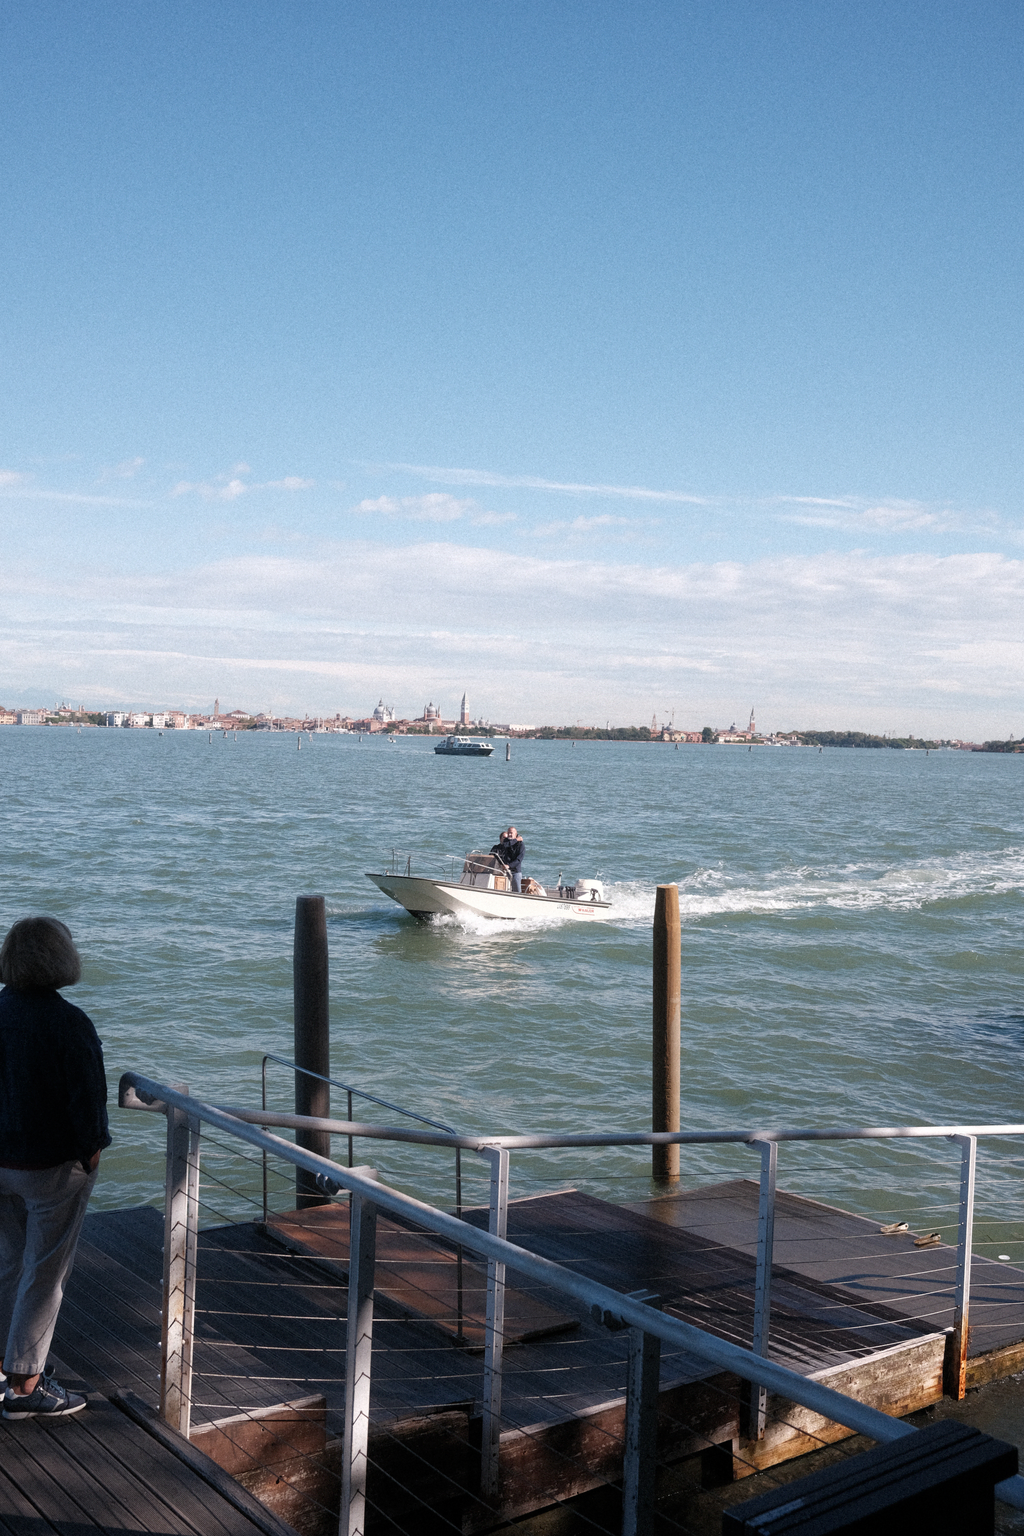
x=437 y=898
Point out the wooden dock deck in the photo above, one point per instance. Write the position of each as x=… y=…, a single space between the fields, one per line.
x=866 y=1313
x=825 y=1244
x=103 y=1471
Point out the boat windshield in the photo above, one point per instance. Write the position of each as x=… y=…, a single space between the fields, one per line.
x=482 y=864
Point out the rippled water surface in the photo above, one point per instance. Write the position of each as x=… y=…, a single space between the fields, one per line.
x=851 y=942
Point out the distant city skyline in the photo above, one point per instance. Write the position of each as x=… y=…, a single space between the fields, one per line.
x=432 y=718
x=598 y=361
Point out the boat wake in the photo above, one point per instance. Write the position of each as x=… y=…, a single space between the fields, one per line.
x=851 y=888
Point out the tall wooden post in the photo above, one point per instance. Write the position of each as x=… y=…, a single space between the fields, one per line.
x=312 y=1035
x=665 y=1055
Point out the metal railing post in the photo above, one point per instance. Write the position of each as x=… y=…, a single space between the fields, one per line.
x=640 y=1456
x=181 y=1230
x=757 y=1395
x=263 y=1101
x=956 y=1360
x=497 y=1225
x=358 y=1360
x=459 y=1277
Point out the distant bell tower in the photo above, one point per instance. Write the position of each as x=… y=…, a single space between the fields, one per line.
x=464 y=715
x=216 y=708
x=752 y=728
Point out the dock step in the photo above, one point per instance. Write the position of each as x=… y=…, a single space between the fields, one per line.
x=419 y=1274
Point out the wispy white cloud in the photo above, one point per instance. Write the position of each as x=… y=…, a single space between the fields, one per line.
x=230 y=487
x=20 y=486
x=435 y=507
x=212 y=490
x=583 y=525
x=537 y=483
x=891 y=517
x=812 y=501
x=493 y=519
x=126 y=470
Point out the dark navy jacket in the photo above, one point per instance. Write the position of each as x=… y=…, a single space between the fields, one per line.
x=53 y=1090
x=511 y=850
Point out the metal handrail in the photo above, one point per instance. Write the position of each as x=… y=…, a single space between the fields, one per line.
x=410 y=1114
x=140 y=1092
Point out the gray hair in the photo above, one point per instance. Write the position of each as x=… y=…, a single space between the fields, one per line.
x=39 y=953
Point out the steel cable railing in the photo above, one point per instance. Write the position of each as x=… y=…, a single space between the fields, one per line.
x=185 y=1116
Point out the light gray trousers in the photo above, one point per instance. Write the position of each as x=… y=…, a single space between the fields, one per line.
x=41 y=1214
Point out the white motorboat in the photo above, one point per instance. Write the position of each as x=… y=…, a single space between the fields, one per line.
x=463 y=746
x=484 y=889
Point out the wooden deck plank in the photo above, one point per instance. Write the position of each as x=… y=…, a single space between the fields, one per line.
x=839 y=1248
x=39 y=1467
x=17 y=1512
x=418 y=1273
x=214 y=1484
x=188 y=1503
x=88 y=1476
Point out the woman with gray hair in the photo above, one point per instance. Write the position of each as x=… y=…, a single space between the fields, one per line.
x=53 y=1126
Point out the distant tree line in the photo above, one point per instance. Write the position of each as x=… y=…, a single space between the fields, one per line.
x=1001 y=746
x=593 y=733
x=861 y=739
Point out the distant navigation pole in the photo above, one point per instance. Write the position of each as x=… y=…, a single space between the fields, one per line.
x=665 y=1053
x=312 y=1036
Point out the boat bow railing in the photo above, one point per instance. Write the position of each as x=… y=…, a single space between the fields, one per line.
x=410 y=861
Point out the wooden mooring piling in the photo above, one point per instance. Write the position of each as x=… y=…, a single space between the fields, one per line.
x=311 y=979
x=665 y=1070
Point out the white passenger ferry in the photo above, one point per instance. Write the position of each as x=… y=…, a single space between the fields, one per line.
x=463 y=746
x=484 y=888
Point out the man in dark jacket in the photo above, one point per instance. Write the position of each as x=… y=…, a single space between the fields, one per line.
x=53 y=1126
x=510 y=849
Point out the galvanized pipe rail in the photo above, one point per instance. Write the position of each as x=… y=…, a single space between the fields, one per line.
x=140 y=1092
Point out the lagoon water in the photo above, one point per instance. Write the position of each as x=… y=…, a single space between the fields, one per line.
x=851 y=945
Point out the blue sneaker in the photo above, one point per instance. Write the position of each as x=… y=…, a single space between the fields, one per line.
x=49 y=1400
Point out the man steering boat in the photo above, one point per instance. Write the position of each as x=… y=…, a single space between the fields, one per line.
x=510 y=849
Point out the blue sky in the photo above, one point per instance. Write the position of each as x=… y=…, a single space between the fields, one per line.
x=603 y=360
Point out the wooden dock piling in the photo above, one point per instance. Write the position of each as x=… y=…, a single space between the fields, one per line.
x=312 y=1035
x=665 y=1052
